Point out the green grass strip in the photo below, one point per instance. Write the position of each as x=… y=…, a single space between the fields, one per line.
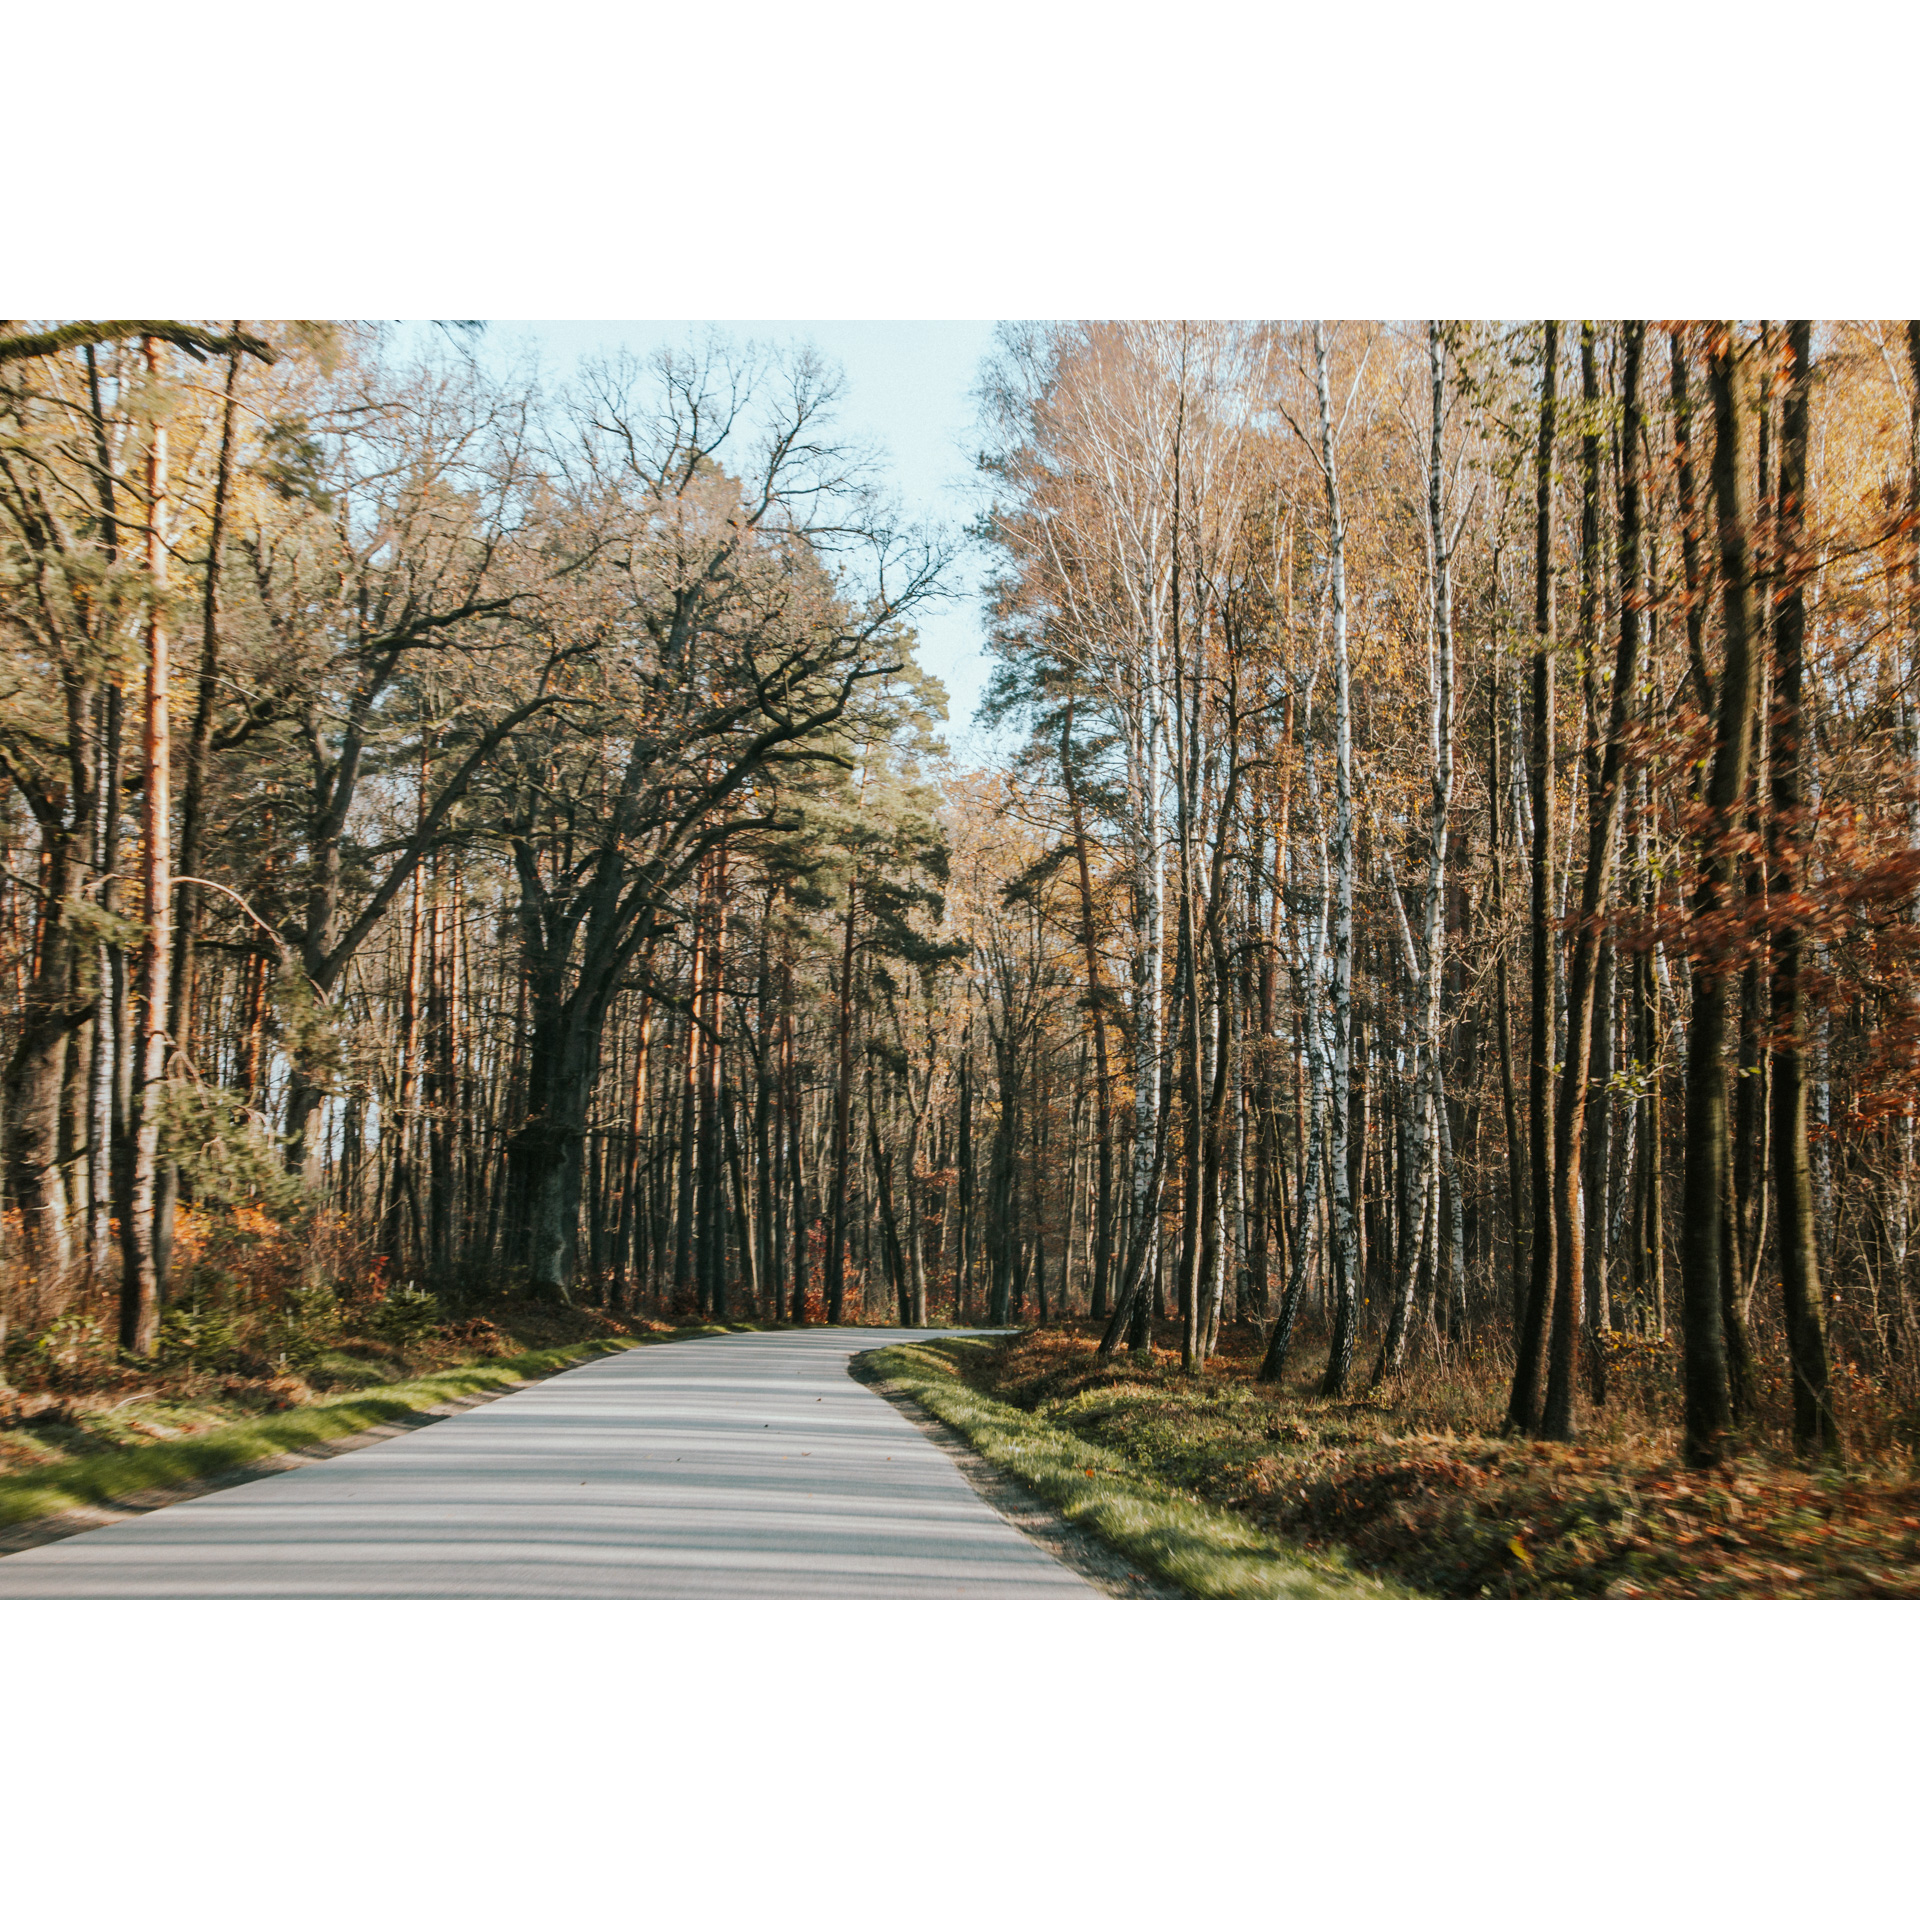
x=165 y=1463
x=1211 y=1553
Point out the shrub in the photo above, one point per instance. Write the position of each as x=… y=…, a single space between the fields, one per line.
x=402 y=1318
x=307 y=1325
x=210 y=1337
x=71 y=1353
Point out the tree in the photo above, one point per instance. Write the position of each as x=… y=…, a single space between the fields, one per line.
x=1542 y=1234
x=1814 y=1428
x=1603 y=816
x=1703 y=1276
x=715 y=629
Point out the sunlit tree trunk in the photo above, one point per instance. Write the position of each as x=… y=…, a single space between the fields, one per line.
x=1707 y=1188
x=686 y=1186
x=1523 y=1407
x=106 y=1115
x=1814 y=1429
x=193 y=798
x=796 y=1148
x=1346 y=1243
x=1603 y=814
x=710 y=1203
x=1307 y=1201
x=1516 y=1181
x=140 y=1300
x=1430 y=965
x=1150 y=871
x=633 y=1234
x=1096 y=1016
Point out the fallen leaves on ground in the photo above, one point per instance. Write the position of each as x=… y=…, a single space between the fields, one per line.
x=1477 y=1515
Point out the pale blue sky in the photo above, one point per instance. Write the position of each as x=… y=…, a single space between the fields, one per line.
x=909 y=386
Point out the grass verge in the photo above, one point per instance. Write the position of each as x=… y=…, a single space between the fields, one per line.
x=1200 y=1547
x=1416 y=1483
x=41 y=1491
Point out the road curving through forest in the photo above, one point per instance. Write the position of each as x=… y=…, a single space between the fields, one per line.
x=749 y=1467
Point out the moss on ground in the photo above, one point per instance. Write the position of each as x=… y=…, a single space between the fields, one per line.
x=79 y=1455
x=1392 y=1484
x=124 y=1470
x=1211 y=1553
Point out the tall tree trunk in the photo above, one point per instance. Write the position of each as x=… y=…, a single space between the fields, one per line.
x=686 y=1190
x=1215 y=1222
x=743 y=1217
x=1707 y=1187
x=796 y=1147
x=711 y=1250
x=1430 y=964
x=1523 y=1406
x=110 y=975
x=1749 y=1156
x=140 y=1293
x=405 y=1105
x=443 y=1015
x=1306 y=1219
x=1603 y=814
x=106 y=1115
x=1193 y=1123
x=1150 y=953
x=770 y=1265
x=1503 y=1007
x=633 y=1208
x=842 y=1118
x=1103 y=1086
x=37 y=1068
x=1346 y=1242
x=964 y=1182
x=193 y=796
x=894 y=1251
x=1649 y=1213
x=1815 y=1431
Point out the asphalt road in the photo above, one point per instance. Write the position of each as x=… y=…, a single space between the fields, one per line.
x=742 y=1467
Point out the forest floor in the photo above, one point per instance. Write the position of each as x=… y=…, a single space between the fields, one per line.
x=79 y=1422
x=1446 y=1506
x=1189 y=1545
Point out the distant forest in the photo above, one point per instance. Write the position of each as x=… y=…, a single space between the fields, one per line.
x=1441 y=888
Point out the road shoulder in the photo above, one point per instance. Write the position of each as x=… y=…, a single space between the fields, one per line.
x=1079 y=1551
x=78 y=1514
x=1160 y=1527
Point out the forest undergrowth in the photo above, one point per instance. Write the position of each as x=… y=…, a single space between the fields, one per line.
x=1416 y=1482
x=268 y=1316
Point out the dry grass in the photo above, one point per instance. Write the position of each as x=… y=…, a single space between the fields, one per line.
x=1417 y=1483
x=88 y=1456
x=107 y=1474
x=1211 y=1554
x=67 y=1395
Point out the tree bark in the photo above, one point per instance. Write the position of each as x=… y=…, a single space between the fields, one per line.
x=1603 y=814
x=1431 y=962
x=842 y=1118
x=1103 y=1085
x=140 y=1293
x=1815 y=1430
x=1707 y=1188
x=1346 y=1243
x=1523 y=1406
x=193 y=796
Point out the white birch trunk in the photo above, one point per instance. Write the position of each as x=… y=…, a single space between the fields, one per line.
x=1346 y=1235
x=1440 y=745
x=140 y=1298
x=1151 y=872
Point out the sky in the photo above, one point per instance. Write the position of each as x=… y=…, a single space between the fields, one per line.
x=909 y=390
